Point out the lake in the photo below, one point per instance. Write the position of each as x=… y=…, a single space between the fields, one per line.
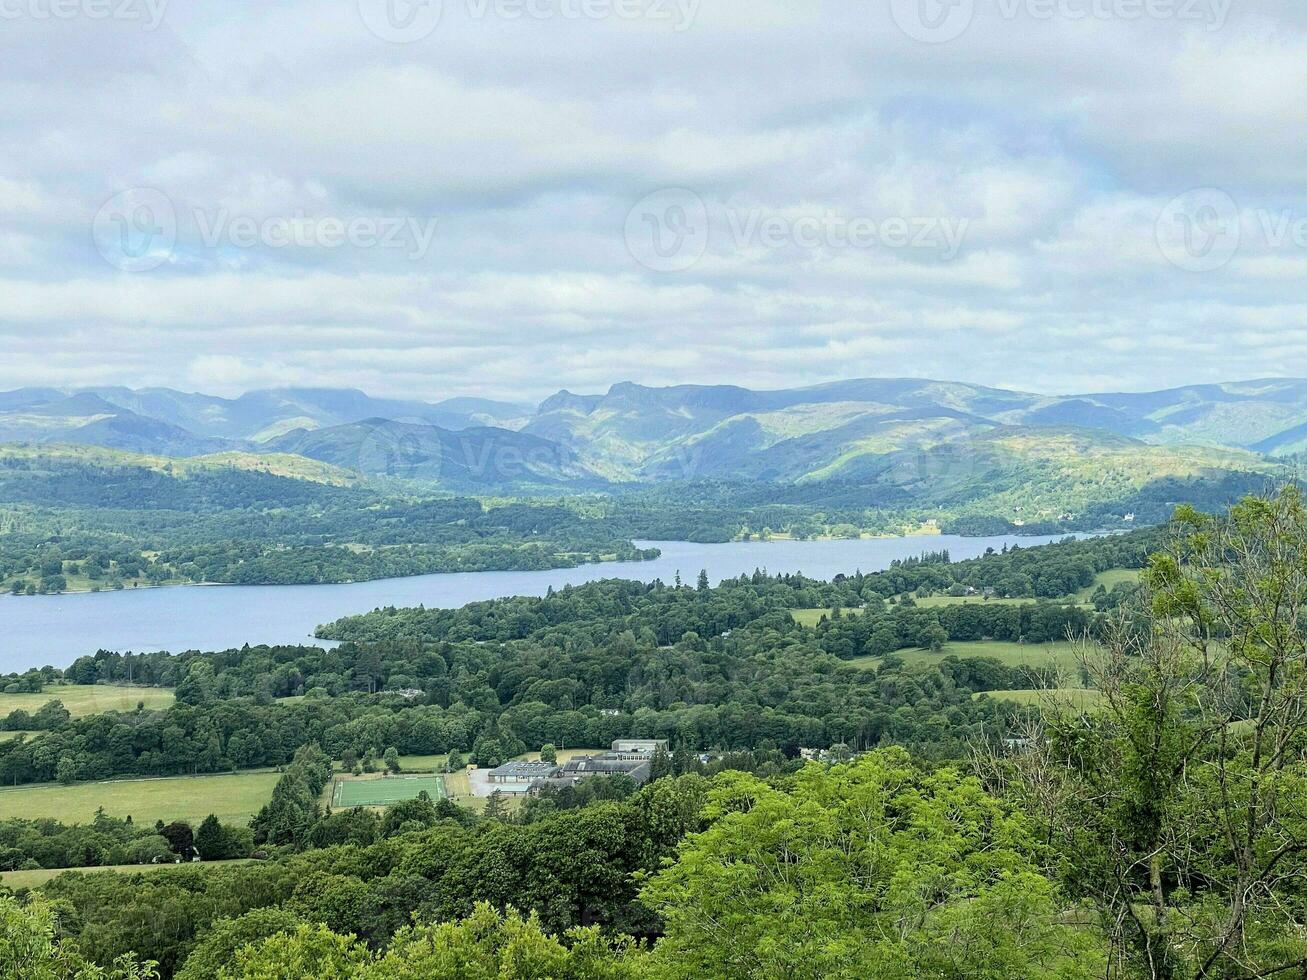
x=39 y=630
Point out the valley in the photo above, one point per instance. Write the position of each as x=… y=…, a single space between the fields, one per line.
x=255 y=783
x=768 y=585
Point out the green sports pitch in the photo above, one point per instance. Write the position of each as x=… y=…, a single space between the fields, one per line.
x=383 y=792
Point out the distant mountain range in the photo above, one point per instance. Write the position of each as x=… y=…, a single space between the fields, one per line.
x=892 y=432
x=181 y=423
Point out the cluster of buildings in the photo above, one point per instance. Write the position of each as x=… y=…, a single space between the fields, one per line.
x=627 y=757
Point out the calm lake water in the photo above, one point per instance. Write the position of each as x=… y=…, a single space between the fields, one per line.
x=39 y=630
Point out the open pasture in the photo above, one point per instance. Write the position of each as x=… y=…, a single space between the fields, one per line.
x=1060 y=655
x=1109 y=580
x=233 y=797
x=935 y=601
x=39 y=876
x=1072 y=698
x=811 y=617
x=88 y=699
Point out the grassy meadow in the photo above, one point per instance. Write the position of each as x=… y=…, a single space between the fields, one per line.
x=234 y=797
x=89 y=699
x=811 y=617
x=39 y=876
x=1073 y=698
x=1108 y=580
x=935 y=601
x=1061 y=655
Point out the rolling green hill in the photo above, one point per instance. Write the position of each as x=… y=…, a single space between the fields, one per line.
x=479 y=456
x=39 y=458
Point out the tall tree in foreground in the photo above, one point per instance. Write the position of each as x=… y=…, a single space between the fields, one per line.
x=871 y=869
x=30 y=949
x=1180 y=807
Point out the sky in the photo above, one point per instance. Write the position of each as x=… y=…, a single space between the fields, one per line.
x=428 y=198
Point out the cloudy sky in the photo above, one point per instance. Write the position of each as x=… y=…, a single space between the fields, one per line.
x=506 y=197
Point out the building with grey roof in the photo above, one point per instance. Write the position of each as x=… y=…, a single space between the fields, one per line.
x=517 y=777
x=638 y=746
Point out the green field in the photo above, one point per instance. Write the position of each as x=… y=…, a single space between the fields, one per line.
x=39 y=876
x=88 y=699
x=934 y=601
x=1076 y=698
x=1061 y=655
x=811 y=617
x=234 y=797
x=422 y=763
x=384 y=791
x=1109 y=579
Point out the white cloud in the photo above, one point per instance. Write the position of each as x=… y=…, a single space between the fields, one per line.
x=1057 y=142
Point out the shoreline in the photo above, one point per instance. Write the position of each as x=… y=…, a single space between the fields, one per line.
x=923 y=531
x=148 y=619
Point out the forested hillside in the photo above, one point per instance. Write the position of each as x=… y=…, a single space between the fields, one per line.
x=113 y=521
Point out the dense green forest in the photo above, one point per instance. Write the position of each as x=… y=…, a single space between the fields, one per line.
x=945 y=834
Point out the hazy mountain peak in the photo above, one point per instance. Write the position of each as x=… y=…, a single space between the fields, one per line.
x=840 y=429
